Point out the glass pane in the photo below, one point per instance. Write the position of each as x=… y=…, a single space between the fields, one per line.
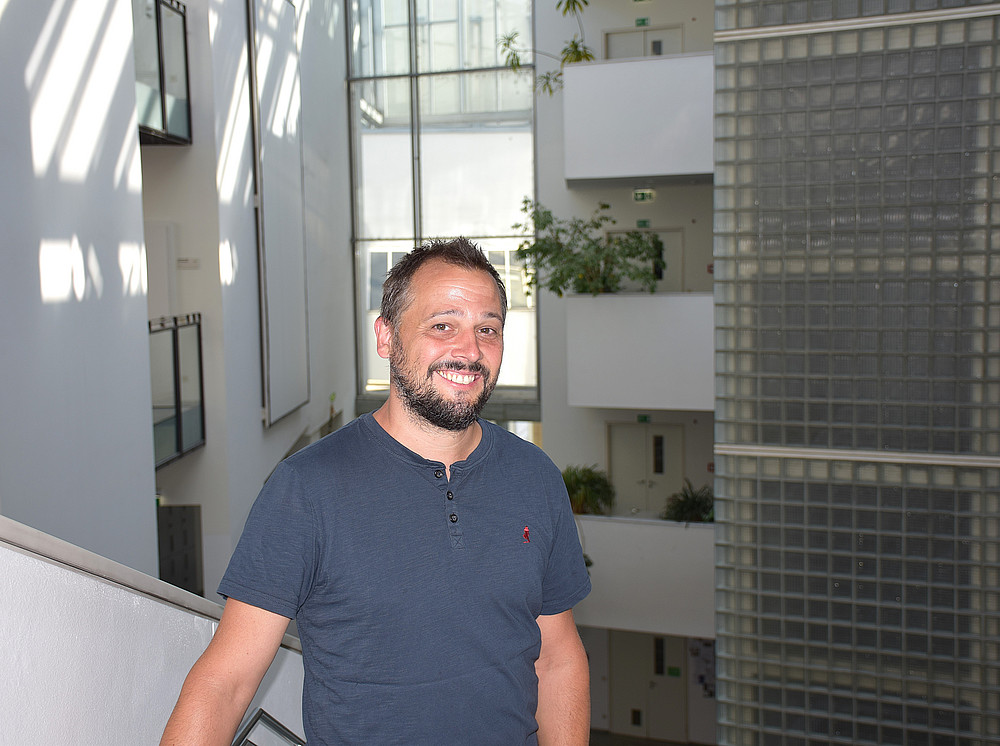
x=147 y=65
x=481 y=148
x=189 y=350
x=375 y=259
x=396 y=46
x=520 y=346
x=175 y=80
x=484 y=21
x=437 y=46
x=396 y=12
x=383 y=160
x=380 y=39
x=161 y=363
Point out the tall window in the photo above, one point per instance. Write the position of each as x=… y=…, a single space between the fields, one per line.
x=442 y=143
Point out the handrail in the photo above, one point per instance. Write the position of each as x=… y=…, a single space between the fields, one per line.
x=27 y=540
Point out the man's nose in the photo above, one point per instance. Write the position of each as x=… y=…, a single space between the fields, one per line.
x=466 y=345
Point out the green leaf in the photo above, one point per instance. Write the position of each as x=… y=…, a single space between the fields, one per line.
x=578 y=254
x=575 y=51
x=508 y=47
x=571 y=6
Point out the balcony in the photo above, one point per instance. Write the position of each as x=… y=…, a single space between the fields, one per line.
x=648 y=117
x=641 y=351
x=649 y=576
x=178 y=386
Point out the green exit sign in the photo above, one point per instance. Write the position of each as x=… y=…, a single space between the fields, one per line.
x=641 y=223
x=643 y=195
x=641 y=21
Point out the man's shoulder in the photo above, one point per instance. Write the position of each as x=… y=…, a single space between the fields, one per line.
x=508 y=445
x=348 y=441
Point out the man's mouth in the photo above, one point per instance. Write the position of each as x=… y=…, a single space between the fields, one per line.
x=457 y=376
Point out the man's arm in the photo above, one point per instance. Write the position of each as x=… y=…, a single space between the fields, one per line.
x=563 y=683
x=221 y=684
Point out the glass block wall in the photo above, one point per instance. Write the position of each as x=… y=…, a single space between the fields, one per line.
x=857 y=282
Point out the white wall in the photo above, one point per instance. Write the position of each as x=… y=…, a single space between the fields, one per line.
x=664 y=363
x=649 y=576
x=663 y=104
x=205 y=190
x=76 y=448
x=89 y=660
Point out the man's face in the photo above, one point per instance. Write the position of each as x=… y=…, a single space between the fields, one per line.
x=446 y=348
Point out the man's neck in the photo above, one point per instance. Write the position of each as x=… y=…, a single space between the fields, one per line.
x=429 y=441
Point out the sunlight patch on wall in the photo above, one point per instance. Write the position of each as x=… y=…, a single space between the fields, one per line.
x=213 y=21
x=94 y=272
x=128 y=168
x=61 y=81
x=286 y=111
x=61 y=270
x=41 y=51
x=132 y=263
x=104 y=79
x=300 y=26
x=235 y=135
x=228 y=263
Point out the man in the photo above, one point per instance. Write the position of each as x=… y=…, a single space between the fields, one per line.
x=429 y=557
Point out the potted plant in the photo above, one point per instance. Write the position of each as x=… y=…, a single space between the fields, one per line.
x=690 y=505
x=590 y=490
x=578 y=255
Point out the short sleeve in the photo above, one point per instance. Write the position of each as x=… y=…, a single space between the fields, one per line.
x=566 y=581
x=274 y=563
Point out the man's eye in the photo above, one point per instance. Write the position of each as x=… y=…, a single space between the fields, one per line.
x=488 y=330
x=441 y=327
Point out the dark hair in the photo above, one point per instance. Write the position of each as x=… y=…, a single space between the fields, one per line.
x=460 y=252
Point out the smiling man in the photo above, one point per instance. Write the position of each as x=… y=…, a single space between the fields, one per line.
x=429 y=557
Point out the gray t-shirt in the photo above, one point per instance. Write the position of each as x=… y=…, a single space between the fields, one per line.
x=415 y=596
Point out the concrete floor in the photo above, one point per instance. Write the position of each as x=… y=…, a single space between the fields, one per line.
x=604 y=738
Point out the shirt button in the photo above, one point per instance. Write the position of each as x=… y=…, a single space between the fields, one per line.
x=453 y=518
x=451 y=495
x=438 y=473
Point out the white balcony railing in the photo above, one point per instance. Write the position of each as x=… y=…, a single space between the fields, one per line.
x=641 y=117
x=641 y=351
x=649 y=576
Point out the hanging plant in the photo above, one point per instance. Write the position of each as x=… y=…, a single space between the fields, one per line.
x=578 y=255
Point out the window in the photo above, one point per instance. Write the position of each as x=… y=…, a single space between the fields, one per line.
x=443 y=147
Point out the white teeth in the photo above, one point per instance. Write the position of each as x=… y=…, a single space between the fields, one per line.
x=455 y=377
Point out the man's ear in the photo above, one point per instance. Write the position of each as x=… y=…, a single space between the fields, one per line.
x=383 y=337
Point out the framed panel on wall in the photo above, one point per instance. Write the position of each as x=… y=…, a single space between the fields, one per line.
x=276 y=121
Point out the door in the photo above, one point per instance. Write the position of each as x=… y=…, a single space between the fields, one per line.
x=672 y=278
x=646 y=465
x=643 y=42
x=648 y=686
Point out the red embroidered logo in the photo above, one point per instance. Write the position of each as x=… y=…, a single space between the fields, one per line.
x=526 y=539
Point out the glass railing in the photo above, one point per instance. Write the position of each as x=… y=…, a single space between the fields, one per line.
x=178 y=386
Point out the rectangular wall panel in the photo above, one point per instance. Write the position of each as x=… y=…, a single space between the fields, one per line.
x=282 y=243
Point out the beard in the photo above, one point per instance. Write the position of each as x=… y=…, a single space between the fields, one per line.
x=420 y=397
